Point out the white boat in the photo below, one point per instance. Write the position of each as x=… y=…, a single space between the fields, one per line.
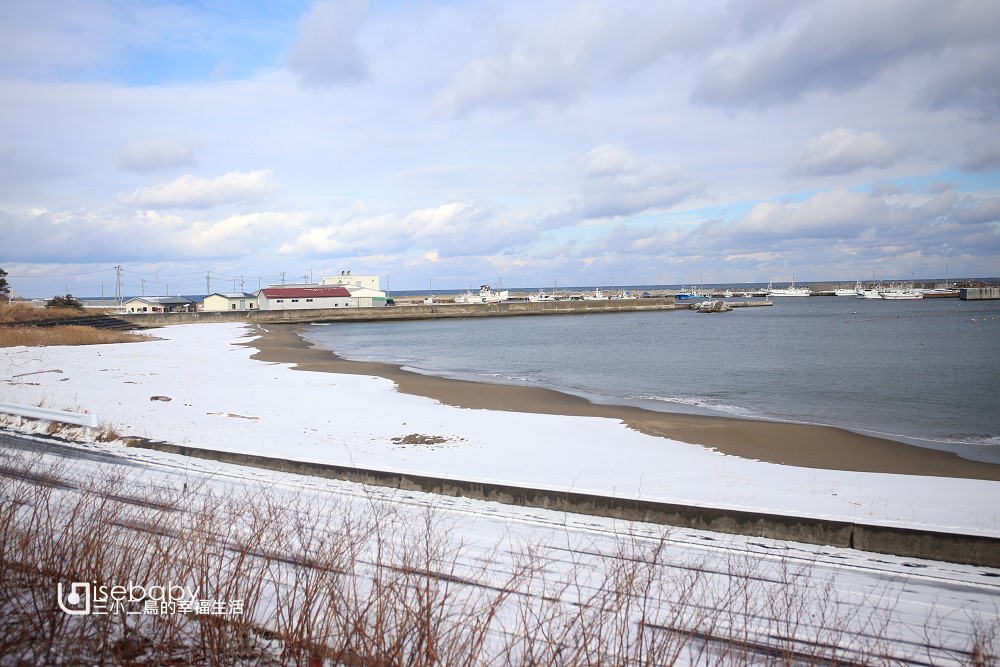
x=863 y=292
x=846 y=291
x=486 y=295
x=598 y=295
x=898 y=293
x=542 y=296
x=791 y=290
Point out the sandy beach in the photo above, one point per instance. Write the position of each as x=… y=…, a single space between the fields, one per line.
x=774 y=442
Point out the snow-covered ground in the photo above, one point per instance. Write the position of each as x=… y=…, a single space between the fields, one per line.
x=765 y=595
x=221 y=399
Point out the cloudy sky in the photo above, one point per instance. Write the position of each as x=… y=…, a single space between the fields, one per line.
x=578 y=143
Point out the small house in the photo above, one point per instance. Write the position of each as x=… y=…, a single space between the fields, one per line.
x=159 y=304
x=216 y=303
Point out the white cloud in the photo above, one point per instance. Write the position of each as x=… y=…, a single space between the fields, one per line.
x=835 y=45
x=449 y=230
x=155 y=155
x=617 y=185
x=835 y=213
x=555 y=53
x=984 y=156
x=192 y=192
x=844 y=151
x=608 y=159
x=327 y=52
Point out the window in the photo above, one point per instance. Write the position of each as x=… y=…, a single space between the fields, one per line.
x=233 y=306
x=295 y=300
x=280 y=300
x=308 y=300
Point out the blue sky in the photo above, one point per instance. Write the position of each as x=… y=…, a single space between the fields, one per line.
x=569 y=142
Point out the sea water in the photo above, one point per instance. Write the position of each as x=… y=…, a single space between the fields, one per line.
x=925 y=371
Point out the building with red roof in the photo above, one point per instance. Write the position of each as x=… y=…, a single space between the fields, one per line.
x=303 y=298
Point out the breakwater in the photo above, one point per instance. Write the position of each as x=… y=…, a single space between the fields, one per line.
x=408 y=312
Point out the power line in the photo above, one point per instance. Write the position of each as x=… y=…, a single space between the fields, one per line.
x=65 y=275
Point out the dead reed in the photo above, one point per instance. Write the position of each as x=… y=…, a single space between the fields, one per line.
x=65 y=335
x=369 y=585
x=21 y=313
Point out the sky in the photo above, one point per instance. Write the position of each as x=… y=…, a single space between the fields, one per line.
x=218 y=145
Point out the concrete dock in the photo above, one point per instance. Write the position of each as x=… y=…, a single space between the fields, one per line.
x=411 y=312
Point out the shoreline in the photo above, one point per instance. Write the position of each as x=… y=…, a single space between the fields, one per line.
x=800 y=445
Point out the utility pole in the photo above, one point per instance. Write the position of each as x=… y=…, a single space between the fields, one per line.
x=242 y=288
x=142 y=287
x=118 y=285
x=282 y=278
x=208 y=283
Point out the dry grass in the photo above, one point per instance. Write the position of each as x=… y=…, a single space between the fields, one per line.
x=65 y=335
x=23 y=314
x=338 y=585
x=20 y=313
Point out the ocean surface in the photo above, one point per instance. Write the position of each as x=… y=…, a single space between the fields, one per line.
x=925 y=372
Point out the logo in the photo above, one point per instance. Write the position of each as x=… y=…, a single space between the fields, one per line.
x=79 y=594
x=83 y=597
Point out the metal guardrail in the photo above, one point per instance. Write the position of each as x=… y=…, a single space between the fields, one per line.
x=63 y=416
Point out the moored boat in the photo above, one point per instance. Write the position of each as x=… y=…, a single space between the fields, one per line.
x=486 y=295
x=901 y=293
x=684 y=294
x=791 y=290
x=542 y=296
x=863 y=292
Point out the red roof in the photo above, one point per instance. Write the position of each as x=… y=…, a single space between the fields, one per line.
x=303 y=292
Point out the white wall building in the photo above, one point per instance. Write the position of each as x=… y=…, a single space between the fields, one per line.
x=159 y=304
x=345 y=278
x=303 y=298
x=214 y=303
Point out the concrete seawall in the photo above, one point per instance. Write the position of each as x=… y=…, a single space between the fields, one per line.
x=955 y=548
x=979 y=293
x=420 y=312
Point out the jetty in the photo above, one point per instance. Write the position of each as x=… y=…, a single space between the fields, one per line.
x=412 y=312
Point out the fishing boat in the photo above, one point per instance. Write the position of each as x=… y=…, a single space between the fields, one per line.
x=791 y=290
x=863 y=292
x=901 y=292
x=598 y=295
x=486 y=295
x=684 y=294
x=542 y=296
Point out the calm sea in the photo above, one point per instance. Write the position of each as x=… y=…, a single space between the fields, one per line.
x=925 y=372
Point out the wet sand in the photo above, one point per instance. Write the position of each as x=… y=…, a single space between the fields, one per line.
x=774 y=442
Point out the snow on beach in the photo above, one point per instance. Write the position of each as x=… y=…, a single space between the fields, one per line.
x=221 y=399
